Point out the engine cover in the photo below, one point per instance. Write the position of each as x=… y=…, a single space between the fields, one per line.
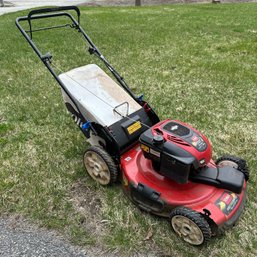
x=175 y=148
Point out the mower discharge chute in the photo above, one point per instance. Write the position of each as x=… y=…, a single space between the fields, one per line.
x=166 y=167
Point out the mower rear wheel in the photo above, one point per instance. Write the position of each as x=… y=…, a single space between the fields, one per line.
x=100 y=166
x=235 y=162
x=190 y=225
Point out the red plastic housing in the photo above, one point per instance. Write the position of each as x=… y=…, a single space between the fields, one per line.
x=199 y=197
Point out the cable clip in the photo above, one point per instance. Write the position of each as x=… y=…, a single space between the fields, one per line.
x=86 y=126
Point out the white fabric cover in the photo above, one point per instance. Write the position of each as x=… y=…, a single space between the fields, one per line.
x=97 y=94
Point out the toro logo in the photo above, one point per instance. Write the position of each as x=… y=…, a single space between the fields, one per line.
x=77 y=120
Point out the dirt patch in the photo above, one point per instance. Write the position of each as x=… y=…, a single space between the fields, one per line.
x=88 y=204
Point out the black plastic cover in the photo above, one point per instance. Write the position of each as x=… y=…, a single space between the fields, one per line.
x=127 y=131
x=178 y=131
x=176 y=128
x=222 y=177
x=173 y=161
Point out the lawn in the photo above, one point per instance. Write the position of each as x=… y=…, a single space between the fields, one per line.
x=196 y=63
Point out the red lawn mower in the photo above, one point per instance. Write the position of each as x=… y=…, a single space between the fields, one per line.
x=166 y=167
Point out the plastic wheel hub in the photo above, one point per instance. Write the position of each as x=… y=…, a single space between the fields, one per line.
x=97 y=168
x=187 y=229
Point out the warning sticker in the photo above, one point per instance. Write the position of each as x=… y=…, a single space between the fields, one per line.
x=145 y=148
x=134 y=127
x=227 y=202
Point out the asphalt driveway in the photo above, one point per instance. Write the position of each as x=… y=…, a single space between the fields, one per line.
x=18 y=239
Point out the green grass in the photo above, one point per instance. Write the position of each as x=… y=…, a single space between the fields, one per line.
x=196 y=63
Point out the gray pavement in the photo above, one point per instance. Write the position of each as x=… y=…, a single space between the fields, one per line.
x=20 y=240
x=18 y=5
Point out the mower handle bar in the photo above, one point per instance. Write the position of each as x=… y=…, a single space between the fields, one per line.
x=55 y=9
x=35 y=17
x=46 y=59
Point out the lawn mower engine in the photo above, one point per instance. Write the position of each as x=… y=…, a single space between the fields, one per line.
x=180 y=152
x=176 y=149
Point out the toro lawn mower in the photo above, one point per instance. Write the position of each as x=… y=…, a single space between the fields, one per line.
x=166 y=167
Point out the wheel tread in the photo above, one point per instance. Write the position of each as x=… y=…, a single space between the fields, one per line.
x=108 y=160
x=196 y=217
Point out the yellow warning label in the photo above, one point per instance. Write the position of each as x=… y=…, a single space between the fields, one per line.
x=134 y=127
x=145 y=148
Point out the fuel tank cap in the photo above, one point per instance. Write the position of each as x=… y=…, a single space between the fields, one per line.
x=158 y=139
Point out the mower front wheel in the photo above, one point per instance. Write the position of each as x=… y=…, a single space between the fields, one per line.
x=190 y=226
x=100 y=166
x=235 y=162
